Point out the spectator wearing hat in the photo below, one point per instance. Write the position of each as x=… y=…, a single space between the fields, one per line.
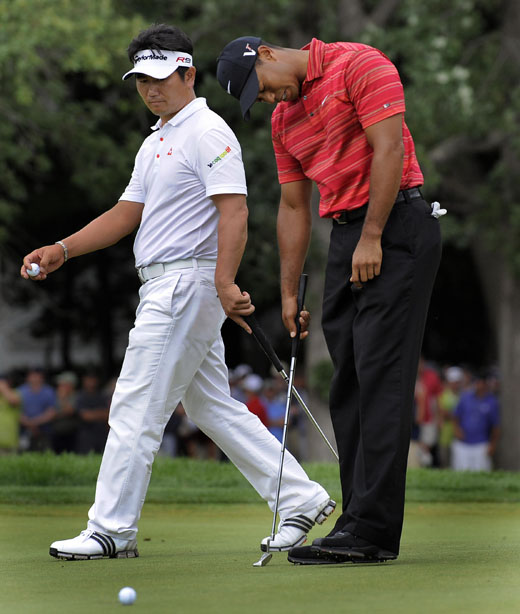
x=65 y=424
x=476 y=427
x=236 y=378
x=447 y=401
x=252 y=386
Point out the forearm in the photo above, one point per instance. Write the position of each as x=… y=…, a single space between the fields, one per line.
x=385 y=179
x=47 y=416
x=232 y=239
x=105 y=230
x=493 y=440
x=11 y=396
x=94 y=415
x=294 y=233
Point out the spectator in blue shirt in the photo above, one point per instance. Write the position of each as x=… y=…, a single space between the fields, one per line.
x=476 y=427
x=38 y=410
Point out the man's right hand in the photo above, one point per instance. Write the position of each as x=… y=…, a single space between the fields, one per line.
x=49 y=258
x=289 y=309
x=235 y=304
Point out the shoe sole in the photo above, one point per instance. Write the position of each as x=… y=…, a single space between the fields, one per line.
x=357 y=556
x=71 y=556
x=316 y=561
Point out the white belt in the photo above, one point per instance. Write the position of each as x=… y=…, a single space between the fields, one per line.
x=152 y=271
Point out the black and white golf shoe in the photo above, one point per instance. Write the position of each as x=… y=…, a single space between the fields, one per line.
x=93 y=545
x=293 y=531
x=344 y=546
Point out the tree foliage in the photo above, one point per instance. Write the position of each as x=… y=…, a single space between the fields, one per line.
x=71 y=128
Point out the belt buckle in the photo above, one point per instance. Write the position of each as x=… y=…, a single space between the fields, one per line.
x=141 y=276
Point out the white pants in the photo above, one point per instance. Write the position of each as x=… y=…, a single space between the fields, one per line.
x=175 y=353
x=470 y=457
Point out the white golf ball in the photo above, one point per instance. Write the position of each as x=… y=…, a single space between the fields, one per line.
x=127 y=595
x=33 y=270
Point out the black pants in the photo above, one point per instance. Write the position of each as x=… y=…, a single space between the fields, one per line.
x=374 y=336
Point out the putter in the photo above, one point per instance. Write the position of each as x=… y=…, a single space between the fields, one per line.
x=266 y=557
x=268 y=349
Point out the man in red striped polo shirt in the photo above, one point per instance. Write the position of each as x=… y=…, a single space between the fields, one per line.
x=339 y=122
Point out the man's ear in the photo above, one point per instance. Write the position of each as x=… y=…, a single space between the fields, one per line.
x=266 y=54
x=189 y=77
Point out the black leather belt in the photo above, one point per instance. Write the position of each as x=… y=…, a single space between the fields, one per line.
x=345 y=217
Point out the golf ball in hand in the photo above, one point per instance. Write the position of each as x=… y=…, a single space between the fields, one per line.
x=127 y=595
x=33 y=270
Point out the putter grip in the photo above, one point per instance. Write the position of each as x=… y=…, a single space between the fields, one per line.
x=302 y=288
x=263 y=341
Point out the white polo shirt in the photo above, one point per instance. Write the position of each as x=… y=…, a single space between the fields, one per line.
x=177 y=169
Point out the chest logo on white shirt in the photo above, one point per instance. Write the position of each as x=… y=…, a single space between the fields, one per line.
x=170 y=152
x=220 y=157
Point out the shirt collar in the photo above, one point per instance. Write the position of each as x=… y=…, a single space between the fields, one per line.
x=316 y=50
x=193 y=107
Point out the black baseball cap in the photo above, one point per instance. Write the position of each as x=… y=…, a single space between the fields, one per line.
x=236 y=71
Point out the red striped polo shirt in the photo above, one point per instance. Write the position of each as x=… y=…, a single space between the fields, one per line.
x=320 y=136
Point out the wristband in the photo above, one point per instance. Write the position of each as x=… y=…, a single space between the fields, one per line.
x=65 y=250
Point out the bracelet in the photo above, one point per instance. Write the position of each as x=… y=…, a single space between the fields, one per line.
x=65 y=250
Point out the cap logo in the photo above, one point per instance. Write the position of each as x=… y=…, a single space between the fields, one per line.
x=140 y=58
x=249 y=50
x=229 y=87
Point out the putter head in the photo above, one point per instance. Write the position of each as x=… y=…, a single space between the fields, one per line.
x=263 y=560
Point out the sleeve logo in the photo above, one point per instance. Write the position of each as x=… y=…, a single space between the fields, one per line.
x=220 y=157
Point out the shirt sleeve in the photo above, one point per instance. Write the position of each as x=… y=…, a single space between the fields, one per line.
x=374 y=87
x=289 y=168
x=134 y=190
x=219 y=162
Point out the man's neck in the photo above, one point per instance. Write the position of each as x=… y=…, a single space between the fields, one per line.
x=166 y=118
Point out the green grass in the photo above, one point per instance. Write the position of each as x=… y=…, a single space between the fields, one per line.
x=47 y=478
x=456 y=558
x=199 y=535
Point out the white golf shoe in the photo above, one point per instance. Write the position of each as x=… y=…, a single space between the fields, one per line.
x=93 y=545
x=293 y=531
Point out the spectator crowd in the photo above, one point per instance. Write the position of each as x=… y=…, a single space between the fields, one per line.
x=456 y=421
x=457 y=418
x=71 y=416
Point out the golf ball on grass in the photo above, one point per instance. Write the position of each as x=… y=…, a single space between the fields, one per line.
x=127 y=595
x=33 y=270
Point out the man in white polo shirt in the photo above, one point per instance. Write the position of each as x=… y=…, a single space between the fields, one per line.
x=187 y=194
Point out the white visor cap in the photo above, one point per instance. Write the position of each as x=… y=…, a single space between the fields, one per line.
x=159 y=64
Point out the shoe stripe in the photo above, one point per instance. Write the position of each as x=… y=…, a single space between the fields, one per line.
x=107 y=541
x=300 y=522
x=96 y=538
x=103 y=539
x=297 y=525
x=112 y=544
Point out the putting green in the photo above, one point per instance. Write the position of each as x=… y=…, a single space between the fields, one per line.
x=455 y=558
